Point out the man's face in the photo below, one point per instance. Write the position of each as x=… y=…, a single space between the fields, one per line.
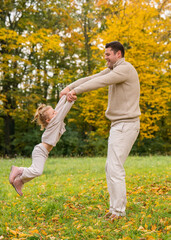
x=111 y=57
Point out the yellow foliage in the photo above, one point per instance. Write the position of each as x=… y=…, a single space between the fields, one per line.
x=44 y=41
x=140 y=29
x=8 y=36
x=93 y=105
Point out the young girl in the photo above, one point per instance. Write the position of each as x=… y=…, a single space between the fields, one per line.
x=53 y=121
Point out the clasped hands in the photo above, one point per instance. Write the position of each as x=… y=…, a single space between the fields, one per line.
x=71 y=95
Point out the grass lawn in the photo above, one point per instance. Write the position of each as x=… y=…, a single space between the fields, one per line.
x=70 y=199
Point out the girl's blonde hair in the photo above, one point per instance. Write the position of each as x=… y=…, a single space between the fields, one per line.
x=41 y=116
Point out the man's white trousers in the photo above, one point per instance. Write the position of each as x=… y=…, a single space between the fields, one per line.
x=121 y=139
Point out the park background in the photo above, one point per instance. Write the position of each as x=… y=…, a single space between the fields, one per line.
x=45 y=45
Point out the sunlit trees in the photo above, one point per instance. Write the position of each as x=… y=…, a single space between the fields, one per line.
x=143 y=29
x=30 y=52
x=45 y=45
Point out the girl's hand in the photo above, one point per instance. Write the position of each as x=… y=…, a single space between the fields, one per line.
x=71 y=96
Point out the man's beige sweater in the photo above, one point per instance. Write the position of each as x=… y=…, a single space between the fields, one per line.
x=123 y=94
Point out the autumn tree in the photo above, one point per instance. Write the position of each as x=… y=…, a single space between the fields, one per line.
x=45 y=45
x=143 y=28
x=90 y=16
x=31 y=52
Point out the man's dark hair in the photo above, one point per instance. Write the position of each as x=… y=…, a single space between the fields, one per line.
x=116 y=46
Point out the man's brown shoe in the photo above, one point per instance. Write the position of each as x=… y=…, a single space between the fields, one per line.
x=18 y=184
x=114 y=217
x=108 y=215
x=15 y=171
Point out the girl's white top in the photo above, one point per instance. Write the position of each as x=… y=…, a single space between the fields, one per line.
x=56 y=126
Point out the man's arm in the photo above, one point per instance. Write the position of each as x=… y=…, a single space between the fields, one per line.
x=118 y=75
x=80 y=81
x=86 y=79
x=64 y=91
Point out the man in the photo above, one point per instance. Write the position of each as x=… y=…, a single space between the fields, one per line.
x=123 y=111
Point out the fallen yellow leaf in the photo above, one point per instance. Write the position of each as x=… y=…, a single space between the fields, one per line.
x=154 y=227
x=140 y=228
x=43 y=232
x=146 y=226
x=33 y=231
x=73 y=199
x=13 y=232
x=168 y=227
x=23 y=235
x=79 y=226
x=90 y=228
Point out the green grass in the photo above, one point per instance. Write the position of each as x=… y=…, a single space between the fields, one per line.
x=70 y=199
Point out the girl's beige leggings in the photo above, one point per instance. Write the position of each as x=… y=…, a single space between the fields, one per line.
x=39 y=156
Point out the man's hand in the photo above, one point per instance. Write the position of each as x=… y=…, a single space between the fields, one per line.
x=64 y=92
x=71 y=96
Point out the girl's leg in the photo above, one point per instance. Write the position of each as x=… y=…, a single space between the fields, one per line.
x=19 y=176
x=39 y=156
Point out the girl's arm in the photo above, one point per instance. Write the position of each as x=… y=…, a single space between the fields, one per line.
x=61 y=103
x=64 y=110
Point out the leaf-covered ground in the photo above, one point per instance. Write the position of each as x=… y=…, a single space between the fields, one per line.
x=70 y=199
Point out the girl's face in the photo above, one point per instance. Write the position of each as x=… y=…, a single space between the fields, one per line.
x=50 y=113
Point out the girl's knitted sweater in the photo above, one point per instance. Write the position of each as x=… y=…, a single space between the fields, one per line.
x=56 y=126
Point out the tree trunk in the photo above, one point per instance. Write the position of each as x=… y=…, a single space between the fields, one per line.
x=9 y=130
